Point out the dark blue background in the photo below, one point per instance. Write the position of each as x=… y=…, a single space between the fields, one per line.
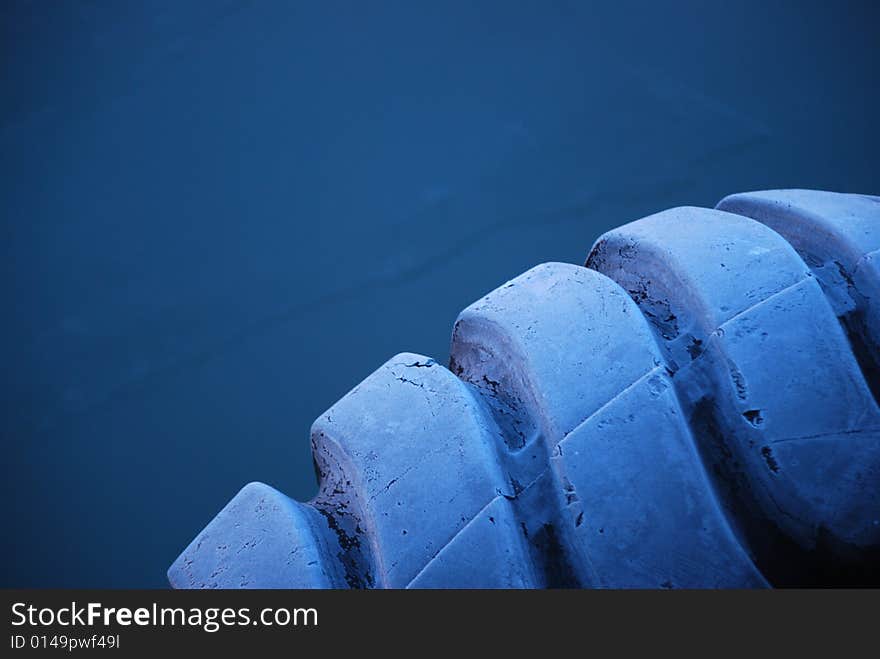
x=219 y=216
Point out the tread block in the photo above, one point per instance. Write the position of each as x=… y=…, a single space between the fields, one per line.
x=838 y=235
x=408 y=457
x=567 y=347
x=798 y=380
x=756 y=361
x=554 y=344
x=798 y=376
x=691 y=269
x=824 y=227
x=261 y=539
x=643 y=511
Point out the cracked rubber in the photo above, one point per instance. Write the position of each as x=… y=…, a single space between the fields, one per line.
x=695 y=408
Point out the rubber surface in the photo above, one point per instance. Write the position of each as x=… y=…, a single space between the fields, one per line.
x=838 y=236
x=692 y=409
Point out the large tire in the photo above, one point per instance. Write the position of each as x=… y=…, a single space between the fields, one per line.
x=692 y=409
